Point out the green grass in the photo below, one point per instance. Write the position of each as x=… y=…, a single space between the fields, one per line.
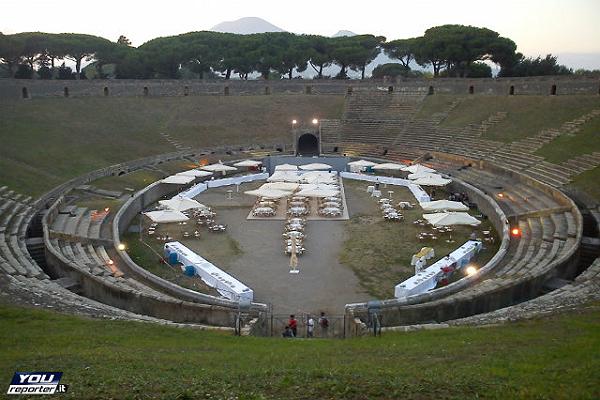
x=564 y=147
x=527 y=115
x=552 y=358
x=48 y=141
x=588 y=182
x=379 y=252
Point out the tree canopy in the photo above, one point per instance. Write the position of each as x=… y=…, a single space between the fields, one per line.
x=449 y=50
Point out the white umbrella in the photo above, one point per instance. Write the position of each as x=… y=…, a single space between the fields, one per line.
x=362 y=163
x=196 y=173
x=451 y=218
x=315 y=167
x=416 y=168
x=320 y=186
x=286 y=167
x=317 y=192
x=218 y=168
x=443 y=205
x=388 y=166
x=270 y=193
x=420 y=175
x=179 y=203
x=432 y=180
x=284 y=176
x=178 y=179
x=248 y=163
x=166 y=216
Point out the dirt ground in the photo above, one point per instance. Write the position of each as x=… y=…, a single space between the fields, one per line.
x=323 y=284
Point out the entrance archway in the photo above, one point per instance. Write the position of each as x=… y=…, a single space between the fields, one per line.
x=308 y=145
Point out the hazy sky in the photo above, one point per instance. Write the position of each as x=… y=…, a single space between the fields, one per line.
x=538 y=27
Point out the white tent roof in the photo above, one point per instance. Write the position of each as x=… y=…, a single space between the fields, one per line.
x=389 y=166
x=179 y=203
x=451 y=218
x=286 y=167
x=420 y=175
x=284 y=176
x=248 y=163
x=165 y=216
x=218 y=168
x=315 y=167
x=178 y=179
x=432 y=180
x=362 y=163
x=443 y=205
x=416 y=168
x=271 y=193
x=318 y=176
x=287 y=186
x=320 y=186
x=317 y=192
x=195 y=172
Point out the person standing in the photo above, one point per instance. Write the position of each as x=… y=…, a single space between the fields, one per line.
x=324 y=324
x=293 y=324
x=310 y=326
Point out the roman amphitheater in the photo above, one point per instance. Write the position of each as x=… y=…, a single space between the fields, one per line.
x=62 y=249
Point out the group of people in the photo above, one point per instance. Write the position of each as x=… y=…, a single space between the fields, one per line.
x=291 y=329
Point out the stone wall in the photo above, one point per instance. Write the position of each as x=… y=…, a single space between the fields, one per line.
x=20 y=88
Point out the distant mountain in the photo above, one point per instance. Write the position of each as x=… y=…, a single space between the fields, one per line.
x=344 y=33
x=246 y=26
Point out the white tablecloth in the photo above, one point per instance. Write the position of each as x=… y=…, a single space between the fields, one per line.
x=225 y=284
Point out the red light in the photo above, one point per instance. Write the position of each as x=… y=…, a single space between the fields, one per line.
x=515 y=232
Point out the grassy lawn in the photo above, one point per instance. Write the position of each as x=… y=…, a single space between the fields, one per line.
x=552 y=358
x=379 y=252
x=588 y=182
x=218 y=248
x=527 y=115
x=564 y=147
x=48 y=141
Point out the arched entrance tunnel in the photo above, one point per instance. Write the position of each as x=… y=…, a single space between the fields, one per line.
x=308 y=145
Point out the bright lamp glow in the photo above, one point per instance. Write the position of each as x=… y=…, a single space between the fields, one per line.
x=294 y=122
x=121 y=246
x=515 y=232
x=315 y=121
x=471 y=270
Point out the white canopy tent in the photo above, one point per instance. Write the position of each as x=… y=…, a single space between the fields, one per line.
x=195 y=173
x=318 y=177
x=451 y=218
x=166 y=216
x=432 y=180
x=179 y=203
x=420 y=175
x=284 y=176
x=219 y=167
x=286 y=186
x=362 y=163
x=443 y=205
x=270 y=193
x=388 y=167
x=317 y=192
x=247 y=163
x=315 y=167
x=286 y=167
x=178 y=179
x=418 y=168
